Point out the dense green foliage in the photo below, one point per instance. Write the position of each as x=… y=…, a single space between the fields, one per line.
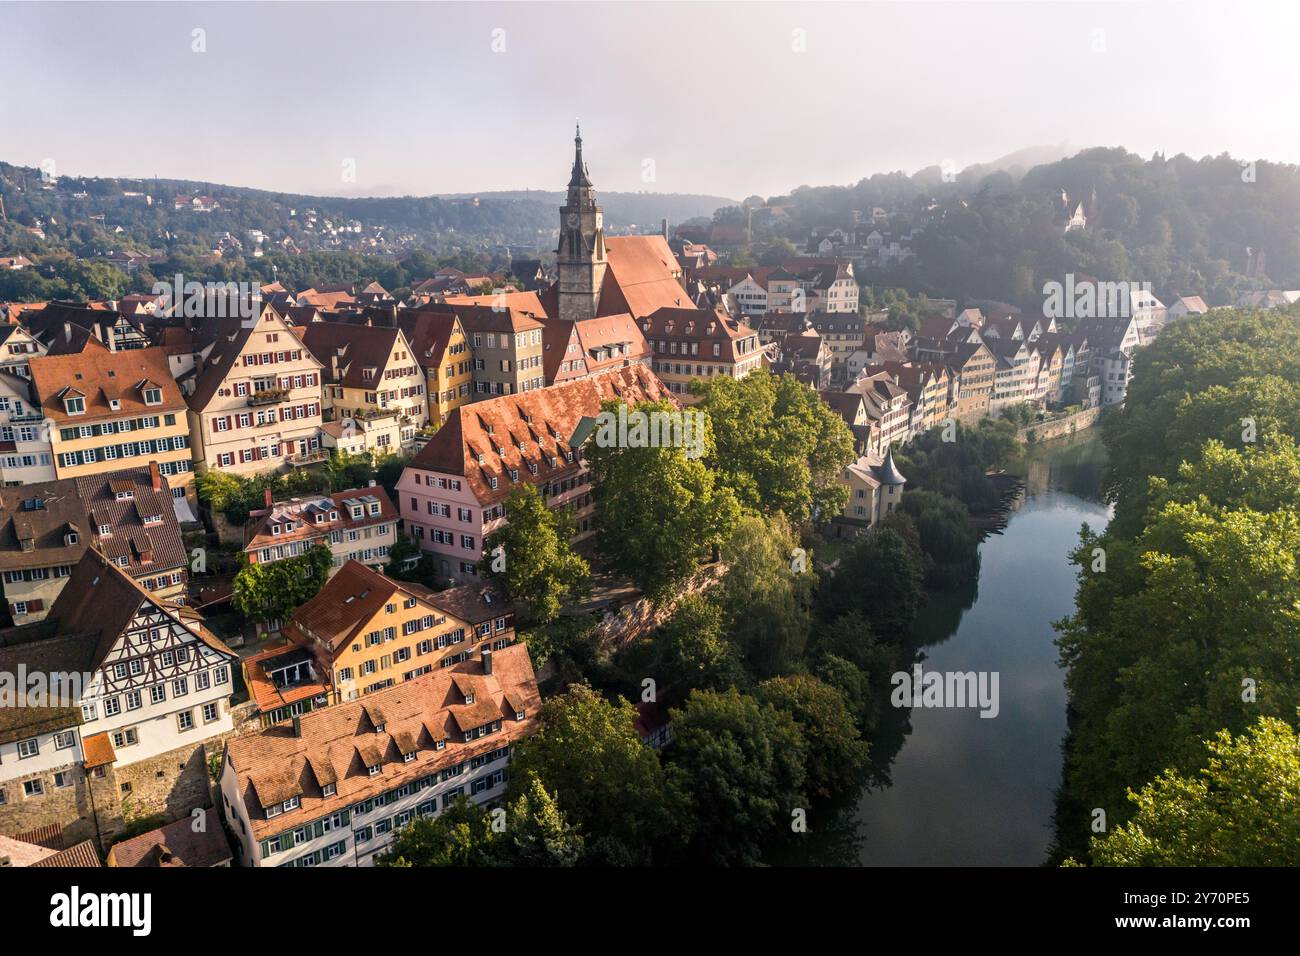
x=953 y=460
x=659 y=513
x=948 y=542
x=776 y=445
x=535 y=561
x=529 y=831
x=1187 y=605
x=271 y=592
x=1241 y=810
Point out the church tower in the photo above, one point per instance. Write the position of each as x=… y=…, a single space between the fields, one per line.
x=580 y=259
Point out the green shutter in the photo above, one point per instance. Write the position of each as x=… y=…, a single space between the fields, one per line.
x=347 y=816
x=286 y=840
x=266 y=849
x=318 y=828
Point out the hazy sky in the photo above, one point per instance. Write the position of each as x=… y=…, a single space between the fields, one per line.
x=717 y=95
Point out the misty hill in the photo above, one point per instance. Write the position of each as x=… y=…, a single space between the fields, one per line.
x=82 y=213
x=1212 y=227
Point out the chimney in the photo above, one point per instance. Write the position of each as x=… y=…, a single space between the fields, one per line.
x=334 y=365
x=67 y=331
x=487 y=661
x=268 y=495
x=663 y=228
x=297 y=725
x=155 y=476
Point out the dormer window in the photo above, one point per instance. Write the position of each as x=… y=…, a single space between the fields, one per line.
x=153 y=519
x=75 y=405
x=153 y=396
x=320 y=517
x=379 y=728
x=275 y=529
x=71 y=538
x=328 y=790
x=357 y=511
x=439 y=744
x=519 y=715
x=374 y=770
x=105 y=530
x=124 y=495
x=114 y=404
x=469 y=697
x=407 y=758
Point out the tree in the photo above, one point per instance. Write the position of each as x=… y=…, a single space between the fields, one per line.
x=766 y=593
x=461 y=835
x=778 y=446
x=948 y=541
x=271 y=592
x=659 y=512
x=879 y=578
x=535 y=562
x=1241 y=810
x=693 y=650
x=530 y=831
x=741 y=762
x=836 y=757
x=537 y=833
x=606 y=781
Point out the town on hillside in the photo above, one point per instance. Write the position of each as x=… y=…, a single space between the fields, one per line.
x=940 y=519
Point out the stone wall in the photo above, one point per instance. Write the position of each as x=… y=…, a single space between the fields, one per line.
x=1060 y=427
x=98 y=808
x=617 y=630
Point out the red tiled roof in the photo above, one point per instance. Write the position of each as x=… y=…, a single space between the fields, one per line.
x=337 y=744
x=553 y=416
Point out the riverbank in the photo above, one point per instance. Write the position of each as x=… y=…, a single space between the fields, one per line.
x=1059 y=427
x=966 y=789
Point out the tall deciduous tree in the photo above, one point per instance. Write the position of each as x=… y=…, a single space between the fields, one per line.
x=1241 y=810
x=659 y=512
x=535 y=562
x=778 y=445
x=742 y=763
x=607 y=782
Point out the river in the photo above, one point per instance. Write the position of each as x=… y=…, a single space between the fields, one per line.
x=966 y=790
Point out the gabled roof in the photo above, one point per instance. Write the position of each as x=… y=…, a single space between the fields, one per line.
x=230 y=338
x=428 y=331
x=101 y=376
x=643 y=275
x=357 y=348
x=288 y=759
x=553 y=416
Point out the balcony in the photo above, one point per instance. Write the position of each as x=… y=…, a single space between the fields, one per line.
x=308 y=458
x=270 y=396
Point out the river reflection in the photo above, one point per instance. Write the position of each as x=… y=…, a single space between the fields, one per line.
x=960 y=789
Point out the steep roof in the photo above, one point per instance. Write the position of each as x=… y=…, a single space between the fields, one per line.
x=134 y=535
x=357 y=347
x=428 y=331
x=643 y=275
x=552 y=417
x=101 y=377
x=42 y=513
x=337 y=744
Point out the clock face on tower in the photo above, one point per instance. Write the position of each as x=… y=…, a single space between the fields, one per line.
x=572 y=220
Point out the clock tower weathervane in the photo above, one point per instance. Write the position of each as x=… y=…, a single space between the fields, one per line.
x=581 y=257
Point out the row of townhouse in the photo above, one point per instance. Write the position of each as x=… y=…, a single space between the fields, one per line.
x=802 y=284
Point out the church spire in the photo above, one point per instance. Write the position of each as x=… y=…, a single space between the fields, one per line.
x=579 y=177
